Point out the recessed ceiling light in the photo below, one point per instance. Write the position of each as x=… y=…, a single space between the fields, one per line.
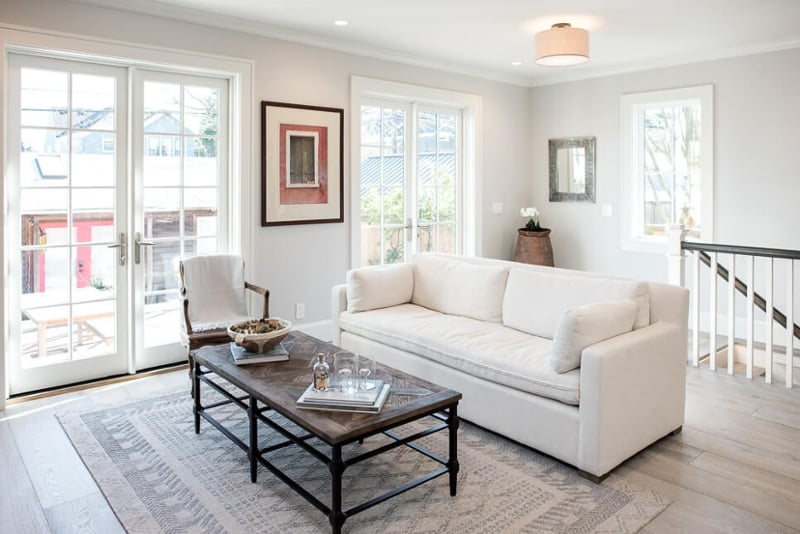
x=341 y=22
x=516 y=63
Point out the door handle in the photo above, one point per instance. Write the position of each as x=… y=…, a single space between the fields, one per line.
x=123 y=247
x=137 y=251
x=410 y=226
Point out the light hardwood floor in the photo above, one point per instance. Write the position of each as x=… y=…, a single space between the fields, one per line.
x=734 y=468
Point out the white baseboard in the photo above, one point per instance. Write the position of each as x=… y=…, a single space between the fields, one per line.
x=319 y=329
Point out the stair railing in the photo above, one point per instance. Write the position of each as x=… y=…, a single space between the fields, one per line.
x=706 y=253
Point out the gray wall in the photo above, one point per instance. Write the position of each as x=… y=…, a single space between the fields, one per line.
x=301 y=263
x=757 y=142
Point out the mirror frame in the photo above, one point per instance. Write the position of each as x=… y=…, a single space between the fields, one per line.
x=588 y=144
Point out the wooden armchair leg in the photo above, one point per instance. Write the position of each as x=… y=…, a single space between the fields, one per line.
x=191 y=373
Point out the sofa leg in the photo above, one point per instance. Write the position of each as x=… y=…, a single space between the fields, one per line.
x=594 y=478
x=676 y=431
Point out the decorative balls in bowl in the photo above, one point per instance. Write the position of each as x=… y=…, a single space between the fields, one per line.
x=259 y=335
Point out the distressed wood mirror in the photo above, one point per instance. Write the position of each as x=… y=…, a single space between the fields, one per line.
x=572 y=161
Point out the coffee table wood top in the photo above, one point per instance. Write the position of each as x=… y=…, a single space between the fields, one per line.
x=280 y=384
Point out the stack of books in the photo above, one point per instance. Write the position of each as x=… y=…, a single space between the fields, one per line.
x=334 y=400
x=244 y=357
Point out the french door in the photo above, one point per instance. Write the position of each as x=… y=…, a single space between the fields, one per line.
x=114 y=175
x=411 y=181
x=180 y=177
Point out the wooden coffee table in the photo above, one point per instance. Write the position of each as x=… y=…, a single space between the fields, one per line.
x=277 y=386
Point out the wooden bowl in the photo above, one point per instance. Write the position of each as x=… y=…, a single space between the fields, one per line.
x=259 y=343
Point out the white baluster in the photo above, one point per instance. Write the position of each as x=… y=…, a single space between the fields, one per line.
x=750 y=301
x=789 y=324
x=712 y=314
x=731 y=312
x=696 y=309
x=768 y=323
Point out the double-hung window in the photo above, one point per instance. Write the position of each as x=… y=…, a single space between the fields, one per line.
x=667 y=166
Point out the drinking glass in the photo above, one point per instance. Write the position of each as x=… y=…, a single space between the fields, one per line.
x=366 y=369
x=345 y=365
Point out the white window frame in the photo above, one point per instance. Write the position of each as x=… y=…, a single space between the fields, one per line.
x=362 y=91
x=632 y=190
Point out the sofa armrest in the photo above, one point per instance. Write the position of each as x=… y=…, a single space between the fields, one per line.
x=632 y=393
x=338 y=305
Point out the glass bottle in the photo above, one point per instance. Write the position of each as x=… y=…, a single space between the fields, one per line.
x=321 y=371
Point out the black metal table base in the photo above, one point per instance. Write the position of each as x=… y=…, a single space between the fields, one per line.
x=335 y=462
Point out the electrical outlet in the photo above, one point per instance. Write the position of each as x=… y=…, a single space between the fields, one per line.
x=300 y=310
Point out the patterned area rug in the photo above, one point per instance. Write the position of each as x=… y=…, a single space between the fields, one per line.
x=159 y=476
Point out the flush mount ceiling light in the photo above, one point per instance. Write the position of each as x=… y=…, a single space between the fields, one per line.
x=562 y=46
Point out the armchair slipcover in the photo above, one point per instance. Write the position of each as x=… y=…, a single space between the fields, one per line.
x=213 y=293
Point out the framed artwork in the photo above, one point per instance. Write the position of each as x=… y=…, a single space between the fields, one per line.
x=302 y=164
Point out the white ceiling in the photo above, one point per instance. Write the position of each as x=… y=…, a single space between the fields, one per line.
x=483 y=37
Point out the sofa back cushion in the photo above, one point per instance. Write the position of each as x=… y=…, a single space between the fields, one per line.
x=455 y=287
x=586 y=325
x=371 y=288
x=534 y=301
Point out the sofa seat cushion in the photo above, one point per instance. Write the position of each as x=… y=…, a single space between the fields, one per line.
x=486 y=350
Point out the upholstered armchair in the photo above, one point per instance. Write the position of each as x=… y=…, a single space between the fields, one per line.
x=213 y=294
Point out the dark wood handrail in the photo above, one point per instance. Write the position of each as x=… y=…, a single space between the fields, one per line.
x=777 y=315
x=745 y=251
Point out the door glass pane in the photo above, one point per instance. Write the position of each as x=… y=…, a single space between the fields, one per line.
x=393 y=130
x=200 y=164
x=162 y=160
x=201 y=110
x=162 y=107
x=94 y=161
x=43 y=97
x=393 y=206
x=96 y=270
x=94 y=329
x=45 y=272
x=44 y=157
x=370 y=125
x=93 y=100
x=200 y=222
x=94 y=227
x=162 y=212
x=393 y=245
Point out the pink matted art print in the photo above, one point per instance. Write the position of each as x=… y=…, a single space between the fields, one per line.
x=302 y=164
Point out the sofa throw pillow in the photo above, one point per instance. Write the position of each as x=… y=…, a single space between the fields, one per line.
x=449 y=285
x=586 y=325
x=371 y=288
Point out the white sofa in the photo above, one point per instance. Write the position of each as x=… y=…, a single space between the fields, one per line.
x=492 y=329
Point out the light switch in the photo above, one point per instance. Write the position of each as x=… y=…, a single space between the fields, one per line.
x=497 y=208
x=607 y=210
